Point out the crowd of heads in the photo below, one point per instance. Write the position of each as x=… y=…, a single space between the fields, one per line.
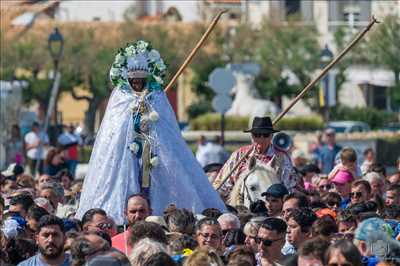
x=343 y=217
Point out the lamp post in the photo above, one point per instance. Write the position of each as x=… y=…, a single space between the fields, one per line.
x=327 y=82
x=55 y=47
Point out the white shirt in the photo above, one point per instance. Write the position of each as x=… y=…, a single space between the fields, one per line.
x=68 y=138
x=39 y=152
x=212 y=153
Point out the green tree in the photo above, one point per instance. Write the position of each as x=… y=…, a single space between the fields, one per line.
x=282 y=47
x=383 y=49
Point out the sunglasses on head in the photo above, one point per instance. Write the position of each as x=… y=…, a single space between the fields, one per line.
x=266 y=242
x=261 y=135
x=356 y=194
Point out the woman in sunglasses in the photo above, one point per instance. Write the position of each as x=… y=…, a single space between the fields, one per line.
x=262 y=151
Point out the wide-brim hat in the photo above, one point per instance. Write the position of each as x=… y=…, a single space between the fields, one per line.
x=261 y=125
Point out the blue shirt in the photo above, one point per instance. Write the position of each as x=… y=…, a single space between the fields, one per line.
x=327 y=157
x=37 y=261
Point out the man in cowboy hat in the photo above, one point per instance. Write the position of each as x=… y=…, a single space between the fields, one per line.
x=263 y=151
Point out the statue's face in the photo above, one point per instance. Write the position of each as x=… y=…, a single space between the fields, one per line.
x=137 y=84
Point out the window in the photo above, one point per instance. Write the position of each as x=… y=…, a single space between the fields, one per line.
x=354 y=13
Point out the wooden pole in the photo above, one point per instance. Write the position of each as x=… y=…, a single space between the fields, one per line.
x=326 y=69
x=194 y=51
x=304 y=91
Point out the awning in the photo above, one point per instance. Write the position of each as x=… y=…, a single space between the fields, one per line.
x=368 y=75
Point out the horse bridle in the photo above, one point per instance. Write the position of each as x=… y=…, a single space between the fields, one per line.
x=247 y=190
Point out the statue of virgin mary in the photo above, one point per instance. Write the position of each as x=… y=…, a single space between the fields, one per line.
x=139 y=147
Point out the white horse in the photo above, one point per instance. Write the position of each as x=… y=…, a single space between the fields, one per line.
x=247 y=101
x=258 y=179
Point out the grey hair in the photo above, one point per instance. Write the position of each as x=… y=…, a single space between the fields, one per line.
x=55 y=186
x=144 y=249
x=373 y=175
x=229 y=218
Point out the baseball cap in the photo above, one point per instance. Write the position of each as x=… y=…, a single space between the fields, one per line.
x=276 y=191
x=13 y=170
x=342 y=177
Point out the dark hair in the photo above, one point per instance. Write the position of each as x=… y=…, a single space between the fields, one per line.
x=347 y=249
x=35 y=124
x=231 y=209
x=237 y=257
x=325 y=227
x=258 y=207
x=304 y=217
x=394 y=187
x=88 y=216
x=184 y=241
x=274 y=224
x=379 y=168
x=64 y=172
x=50 y=220
x=24 y=199
x=51 y=154
x=315 y=248
x=362 y=207
x=2 y=201
x=181 y=221
x=211 y=213
x=362 y=182
x=101 y=234
x=160 y=259
x=143 y=229
x=36 y=212
x=347 y=216
x=81 y=248
x=19 y=249
x=301 y=198
x=140 y=195
x=367 y=150
x=207 y=221
x=332 y=197
x=392 y=212
x=234 y=237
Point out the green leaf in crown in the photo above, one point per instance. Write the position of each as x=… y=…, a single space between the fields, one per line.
x=153 y=64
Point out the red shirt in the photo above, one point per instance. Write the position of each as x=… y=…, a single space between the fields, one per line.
x=121 y=242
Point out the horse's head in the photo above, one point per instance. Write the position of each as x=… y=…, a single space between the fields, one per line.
x=248 y=188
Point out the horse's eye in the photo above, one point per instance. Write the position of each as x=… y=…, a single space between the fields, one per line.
x=253 y=188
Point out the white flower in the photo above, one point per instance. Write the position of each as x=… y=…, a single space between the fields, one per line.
x=115 y=72
x=159 y=80
x=142 y=46
x=119 y=59
x=154 y=55
x=154 y=116
x=130 y=50
x=134 y=147
x=160 y=65
x=154 y=161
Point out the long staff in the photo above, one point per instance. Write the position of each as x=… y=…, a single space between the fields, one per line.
x=304 y=91
x=194 y=51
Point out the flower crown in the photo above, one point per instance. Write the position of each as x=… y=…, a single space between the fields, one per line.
x=138 y=60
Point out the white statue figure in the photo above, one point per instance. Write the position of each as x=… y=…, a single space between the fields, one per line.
x=247 y=101
x=139 y=147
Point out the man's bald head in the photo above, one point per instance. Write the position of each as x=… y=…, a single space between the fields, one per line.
x=138 y=208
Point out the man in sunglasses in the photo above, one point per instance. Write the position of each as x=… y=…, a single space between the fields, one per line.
x=270 y=240
x=262 y=151
x=360 y=192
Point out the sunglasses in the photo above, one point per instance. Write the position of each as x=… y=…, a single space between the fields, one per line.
x=261 y=135
x=333 y=204
x=326 y=187
x=356 y=194
x=266 y=242
x=341 y=264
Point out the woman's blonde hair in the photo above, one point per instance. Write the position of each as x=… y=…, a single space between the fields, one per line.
x=203 y=257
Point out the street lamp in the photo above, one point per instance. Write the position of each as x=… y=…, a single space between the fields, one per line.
x=326 y=92
x=56 y=46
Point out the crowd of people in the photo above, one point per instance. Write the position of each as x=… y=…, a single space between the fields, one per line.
x=345 y=214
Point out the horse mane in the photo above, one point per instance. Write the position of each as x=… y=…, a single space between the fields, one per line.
x=234 y=196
